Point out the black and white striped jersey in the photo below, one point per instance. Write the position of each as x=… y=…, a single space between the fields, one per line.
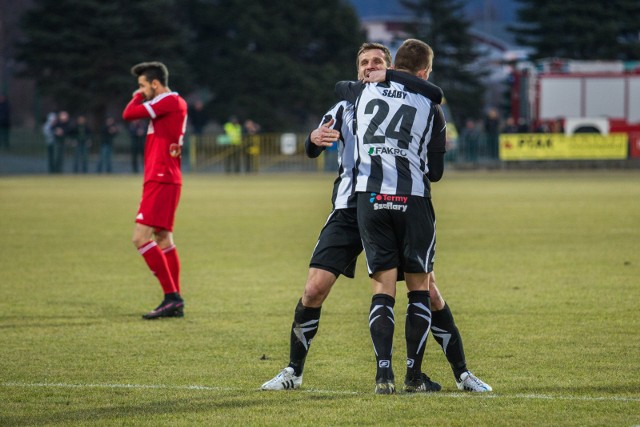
x=342 y=112
x=394 y=128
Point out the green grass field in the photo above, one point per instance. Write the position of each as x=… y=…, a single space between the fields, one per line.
x=541 y=270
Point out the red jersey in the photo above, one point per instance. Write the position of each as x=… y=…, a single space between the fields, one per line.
x=163 y=147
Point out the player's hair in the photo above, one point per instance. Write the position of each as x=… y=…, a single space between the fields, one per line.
x=152 y=71
x=370 y=46
x=414 y=55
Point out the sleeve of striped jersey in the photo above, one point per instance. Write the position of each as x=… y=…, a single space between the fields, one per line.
x=436 y=166
x=311 y=149
x=416 y=84
x=349 y=91
x=437 y=146
x=438 y=141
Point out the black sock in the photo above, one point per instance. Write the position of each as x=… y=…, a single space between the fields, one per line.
x=303 y=329
x=416 y=330
x=446 y=333
x=381 y=326
x=172 y=297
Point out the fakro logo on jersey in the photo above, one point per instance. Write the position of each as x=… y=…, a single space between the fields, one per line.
x=399 y=152
x=389 y=202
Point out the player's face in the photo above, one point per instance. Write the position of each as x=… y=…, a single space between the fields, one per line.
x=146 y=87
x=370 y=60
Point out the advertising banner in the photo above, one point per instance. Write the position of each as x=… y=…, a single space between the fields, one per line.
x=557 y=146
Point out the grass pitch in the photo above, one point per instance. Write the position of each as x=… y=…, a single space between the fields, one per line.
x=541 y=270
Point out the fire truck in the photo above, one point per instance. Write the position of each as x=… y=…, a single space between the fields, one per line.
x=573 y=96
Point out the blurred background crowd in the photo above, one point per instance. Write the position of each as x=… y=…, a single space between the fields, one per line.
x=259 y=74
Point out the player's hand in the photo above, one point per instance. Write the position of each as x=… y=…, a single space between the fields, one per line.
x=376 y=76
x=137 y=91
x=324 y=136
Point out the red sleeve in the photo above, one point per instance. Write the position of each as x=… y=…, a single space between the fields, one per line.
x=165 y=105
x=135 y=109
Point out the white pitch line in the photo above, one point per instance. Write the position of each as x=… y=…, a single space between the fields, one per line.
x=134 y=386
x=343 y=392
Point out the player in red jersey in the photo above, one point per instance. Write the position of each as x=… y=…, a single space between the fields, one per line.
x=153 y=233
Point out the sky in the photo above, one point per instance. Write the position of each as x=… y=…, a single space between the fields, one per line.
x=504 y=10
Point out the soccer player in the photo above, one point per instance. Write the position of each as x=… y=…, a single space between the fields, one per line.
x=339 y=243
x=400 y=150
x=153 y=232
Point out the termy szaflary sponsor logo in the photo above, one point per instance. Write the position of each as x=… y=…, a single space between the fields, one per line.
x=389 y=201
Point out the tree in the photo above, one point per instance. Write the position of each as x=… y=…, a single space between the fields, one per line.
x=80 y=52
x=441 y=24
x=602 y=29
x=274 y=61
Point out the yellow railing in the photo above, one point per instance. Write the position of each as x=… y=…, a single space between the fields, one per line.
x=269 y=152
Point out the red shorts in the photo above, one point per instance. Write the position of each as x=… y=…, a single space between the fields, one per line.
x=158 y=205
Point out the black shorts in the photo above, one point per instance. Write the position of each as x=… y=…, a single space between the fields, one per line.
x=397 y=232
x=339 y=244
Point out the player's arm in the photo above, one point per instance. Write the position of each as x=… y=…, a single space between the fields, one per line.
x=411 y=82
x=321 y=138
x=136 y=109
x=348 y=90
x=416 y=84
x=437 y=146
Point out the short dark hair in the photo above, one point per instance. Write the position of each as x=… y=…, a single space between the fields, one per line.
x=371 y=46
x=413 y=55
x=153 y=70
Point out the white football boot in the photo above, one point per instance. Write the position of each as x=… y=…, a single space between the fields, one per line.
x=285 y=380
x=469 y=382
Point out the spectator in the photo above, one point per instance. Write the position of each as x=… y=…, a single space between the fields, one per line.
x=137 y=133
x=523 y=126
x=510 y=126
x=49 y=139
x=81 y=134
x=233 y=131
x=198 y=118
x=109 y=132
x=541 y=127
x=251 y=144
x=470 y=141
x=61 y=133
x=5 y=122
x=556 y=126
x=492 y=132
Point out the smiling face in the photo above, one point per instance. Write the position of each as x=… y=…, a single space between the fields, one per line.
x=370 y=60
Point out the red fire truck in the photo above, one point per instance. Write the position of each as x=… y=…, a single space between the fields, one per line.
x=580 y=96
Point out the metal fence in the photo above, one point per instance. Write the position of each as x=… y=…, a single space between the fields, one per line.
x=27 y=153
x=258 y=153
x=264 y=153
